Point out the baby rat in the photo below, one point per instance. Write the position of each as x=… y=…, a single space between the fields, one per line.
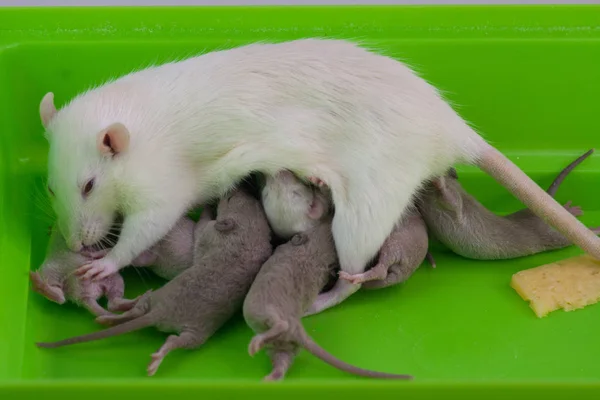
x=284 y=289
x=155 y=142
x=469 y=229
x=401 y=254
x=293 y=207
x=55 y=280
x=229 y=251
x=174 y=253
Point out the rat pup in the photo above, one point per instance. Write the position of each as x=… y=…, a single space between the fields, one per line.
x=228 y=254
x=284 y=289
x=469 y=229
x=174 y=253
x=55 y=280
x=155 y=142
x=293 y=206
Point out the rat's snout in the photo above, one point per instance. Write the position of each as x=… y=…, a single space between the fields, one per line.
x=75 y=245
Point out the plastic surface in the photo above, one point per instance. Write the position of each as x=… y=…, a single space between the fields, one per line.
x=527 y=77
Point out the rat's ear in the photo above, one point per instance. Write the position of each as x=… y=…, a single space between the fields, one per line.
x=113 y=140
x=225 y=225
x=317 y=207
x=452 y=173
x=47 y=109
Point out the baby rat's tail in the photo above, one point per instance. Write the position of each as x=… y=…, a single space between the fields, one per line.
x=135 y=324
x=563 y=174
x=313 y=348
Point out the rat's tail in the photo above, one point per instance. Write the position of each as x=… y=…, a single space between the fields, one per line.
x=499 y=167
x=313 y=348
x=563 y=174
x=135 y=324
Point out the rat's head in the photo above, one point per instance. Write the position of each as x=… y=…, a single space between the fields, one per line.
x=237 y=207
x=291 y=205
x=82 y=179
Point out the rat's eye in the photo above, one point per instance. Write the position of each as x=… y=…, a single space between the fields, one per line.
x=50 y=191
x=87 y=188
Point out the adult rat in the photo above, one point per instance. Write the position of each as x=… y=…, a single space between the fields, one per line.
x=229 y=252
x=156 y=142
x=469 y=229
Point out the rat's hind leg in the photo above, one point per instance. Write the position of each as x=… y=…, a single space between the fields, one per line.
x=364 y=218
x=281 y=360
x=114 y=289
x=261 y=339
x=185 y=340
x=92 y=306
x=377 y=273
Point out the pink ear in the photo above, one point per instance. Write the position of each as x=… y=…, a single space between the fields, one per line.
x=47 y=109
x=113 y=140
x=316 y=209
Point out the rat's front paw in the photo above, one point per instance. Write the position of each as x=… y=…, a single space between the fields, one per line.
x=354 y=279
x=316 y=181
x=97 y=269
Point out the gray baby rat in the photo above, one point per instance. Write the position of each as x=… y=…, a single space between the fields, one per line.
x=55 y=280
x=196 y=303
x=284 y=289
x=174 y=253
x=469 y=229
x=401 y=254
x=293 y=206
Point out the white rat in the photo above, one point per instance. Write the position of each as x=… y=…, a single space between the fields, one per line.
x=156 y=142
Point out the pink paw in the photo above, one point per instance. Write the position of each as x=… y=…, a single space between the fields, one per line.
x=316 y=181
x=574 y=210
x=157 y=359
x=97 y=269
x=256 y=344
x=354 y=279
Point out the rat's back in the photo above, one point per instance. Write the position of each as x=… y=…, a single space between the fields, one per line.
x=290 y=279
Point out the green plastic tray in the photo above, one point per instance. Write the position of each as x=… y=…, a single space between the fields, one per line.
x=528 y=77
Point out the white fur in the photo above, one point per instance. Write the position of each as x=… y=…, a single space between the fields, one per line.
x=288 y=202
x=363 y=123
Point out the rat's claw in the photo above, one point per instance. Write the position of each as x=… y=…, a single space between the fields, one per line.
x=316 y=181
x=154 y=364
x=255 y=345
x=355 y=279
x=574 y=210
x=97 y=270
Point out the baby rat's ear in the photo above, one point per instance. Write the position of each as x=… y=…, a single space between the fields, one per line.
x=113 y=140
x=47 y=109
x=317 y=207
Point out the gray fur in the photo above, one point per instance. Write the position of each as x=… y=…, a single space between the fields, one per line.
x=55 y=280
x=173 y=254
x=467 y=228
x=401 y=254
x=284 y=289
x=228 y=254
